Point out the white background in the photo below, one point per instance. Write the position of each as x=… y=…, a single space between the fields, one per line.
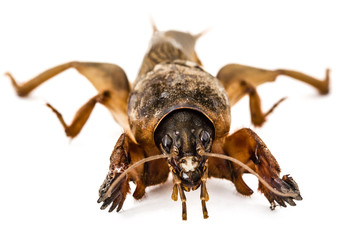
x=49 y=186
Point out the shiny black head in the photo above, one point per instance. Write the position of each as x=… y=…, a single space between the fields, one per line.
x=182 y=134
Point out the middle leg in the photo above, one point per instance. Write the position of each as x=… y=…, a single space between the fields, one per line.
x=220 y=168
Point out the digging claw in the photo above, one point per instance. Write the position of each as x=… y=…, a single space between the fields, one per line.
x=285 y=185
x=116 y=197
x=293 y=185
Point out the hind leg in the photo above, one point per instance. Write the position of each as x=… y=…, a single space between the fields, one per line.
x=109 y=80
x=240 y=80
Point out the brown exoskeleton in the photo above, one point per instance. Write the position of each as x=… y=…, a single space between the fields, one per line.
x=176 y=118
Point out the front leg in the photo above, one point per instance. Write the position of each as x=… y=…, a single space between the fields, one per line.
x=247 y=147
x=124 y=155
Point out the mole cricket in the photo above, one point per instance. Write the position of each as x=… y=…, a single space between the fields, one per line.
x=176 y=119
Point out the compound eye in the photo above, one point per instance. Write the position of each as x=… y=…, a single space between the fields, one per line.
x=166 y=143
x=205 y=138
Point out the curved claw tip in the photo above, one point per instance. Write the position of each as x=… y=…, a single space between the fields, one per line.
x=272 y=206
x=101 y=199
x=290 y=202
x=299 y=198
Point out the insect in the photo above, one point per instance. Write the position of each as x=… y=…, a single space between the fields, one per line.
x=176 y=119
